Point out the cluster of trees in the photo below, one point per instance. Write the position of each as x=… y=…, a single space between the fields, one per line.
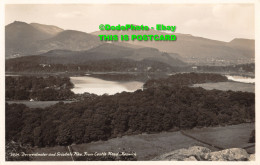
x=43 y=64
x=36 y=64
x=230 y=68
x=152 y=110
x=185 y=79
x=38 y=88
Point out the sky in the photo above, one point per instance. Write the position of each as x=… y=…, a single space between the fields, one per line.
x=222 y=22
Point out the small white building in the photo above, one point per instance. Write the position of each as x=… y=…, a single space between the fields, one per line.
x=194 y=68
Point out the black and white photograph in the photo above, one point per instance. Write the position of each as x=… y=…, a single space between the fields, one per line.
x=129 y=82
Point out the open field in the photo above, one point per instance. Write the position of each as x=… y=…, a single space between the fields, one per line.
x=148 y=146
x=234 y=136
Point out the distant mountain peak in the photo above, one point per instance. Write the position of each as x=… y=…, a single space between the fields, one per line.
x=35 y=38
x=245 y=46
x=19 y=22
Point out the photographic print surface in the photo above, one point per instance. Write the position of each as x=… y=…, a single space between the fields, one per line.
x=131 y=82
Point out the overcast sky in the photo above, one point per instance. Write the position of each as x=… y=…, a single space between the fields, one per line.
x=220 y=22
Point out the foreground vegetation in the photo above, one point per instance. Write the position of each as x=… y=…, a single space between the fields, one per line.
x=155 y=109
x=38 y=88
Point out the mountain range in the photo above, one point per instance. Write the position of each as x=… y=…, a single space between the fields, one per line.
x=32 y=39
x=23 y=39
x=196 y=49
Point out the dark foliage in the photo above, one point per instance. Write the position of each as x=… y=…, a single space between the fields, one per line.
x=185 y=79
x=41 y=64
x=230 y=68
x=15 y=152
x=38 y=88
x=151 y=110
x=252 y=137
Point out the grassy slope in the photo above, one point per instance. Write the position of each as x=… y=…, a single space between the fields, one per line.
x=147 y=146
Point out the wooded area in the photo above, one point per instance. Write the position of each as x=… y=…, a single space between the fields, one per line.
x=155 y=109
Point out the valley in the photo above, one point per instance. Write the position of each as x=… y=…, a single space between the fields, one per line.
x=67 y=91
x=189 y=49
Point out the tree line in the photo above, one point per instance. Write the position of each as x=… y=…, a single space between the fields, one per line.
x=185 y=79
x=152 y=110
x=38 y=88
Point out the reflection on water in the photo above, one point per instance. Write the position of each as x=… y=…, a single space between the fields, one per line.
x=100 y=87
x=241 y=79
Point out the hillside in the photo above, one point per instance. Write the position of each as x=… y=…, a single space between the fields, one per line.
x=195 y=49
x=110 y=51
x=24 y=39
x=20 y=36
x=105 y=57
x=68 y=39
x=245 y=46
x=49 y=29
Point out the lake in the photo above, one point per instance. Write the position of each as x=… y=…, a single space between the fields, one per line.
x=100 y=87
x=241 y=79
x=237 y=83
x=225 y=86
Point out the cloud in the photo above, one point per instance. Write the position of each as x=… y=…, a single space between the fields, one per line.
x=69 y=15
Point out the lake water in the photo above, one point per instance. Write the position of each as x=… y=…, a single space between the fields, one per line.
x=238 y=83
x=241 y=79
x=100 y=87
